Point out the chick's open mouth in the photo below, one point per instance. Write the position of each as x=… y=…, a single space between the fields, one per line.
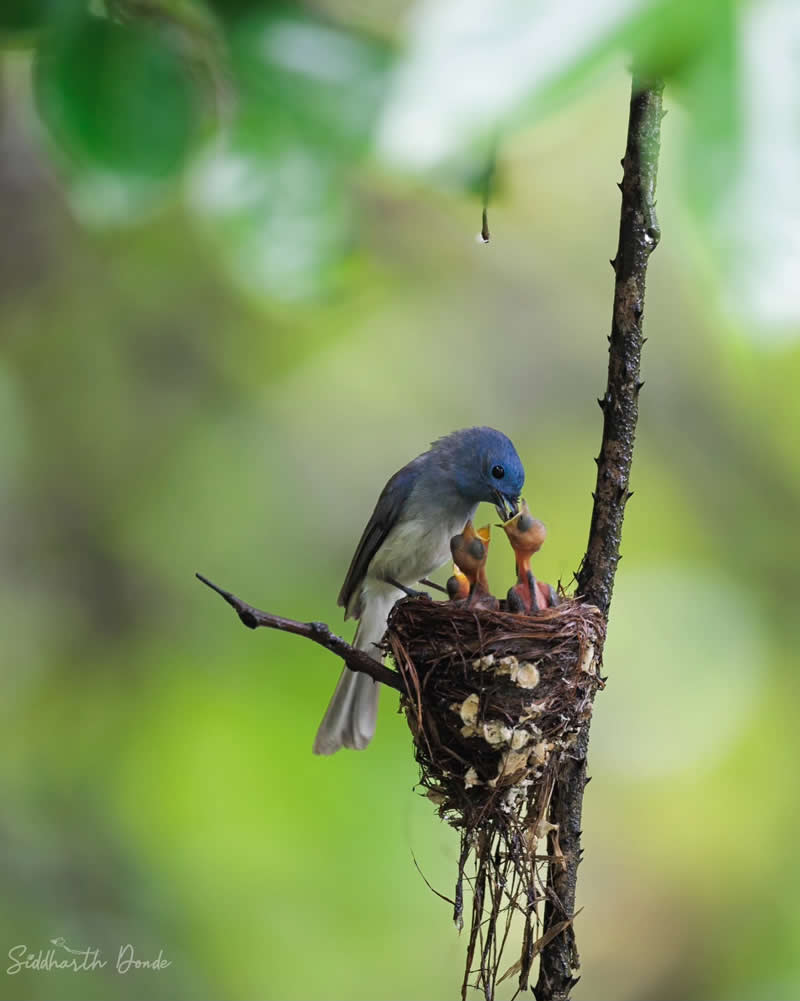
x=506 y=507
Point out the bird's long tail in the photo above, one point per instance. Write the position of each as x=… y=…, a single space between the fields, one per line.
x=352 y=713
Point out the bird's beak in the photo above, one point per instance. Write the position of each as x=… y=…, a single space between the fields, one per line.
x=506 y=507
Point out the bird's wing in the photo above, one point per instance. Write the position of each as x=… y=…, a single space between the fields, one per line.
x=384 y=517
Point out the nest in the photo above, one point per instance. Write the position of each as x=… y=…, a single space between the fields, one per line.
x=497 y=699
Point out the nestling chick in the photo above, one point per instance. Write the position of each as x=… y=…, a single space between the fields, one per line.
x=470 y=550
x=526 y=535
x=457 y=586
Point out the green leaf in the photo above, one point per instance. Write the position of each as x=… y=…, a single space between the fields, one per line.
x=474 y=70
x=708 y=86
x=275 y=198
x=115 y=98
x=668 y=36
x=743 y=163
x=300 y=77
x=281 y=219
x=471 y=71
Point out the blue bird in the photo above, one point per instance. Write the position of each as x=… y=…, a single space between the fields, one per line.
x=408 y=536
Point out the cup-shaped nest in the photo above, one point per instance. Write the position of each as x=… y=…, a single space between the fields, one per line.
x=495 y=697
x=495 y=700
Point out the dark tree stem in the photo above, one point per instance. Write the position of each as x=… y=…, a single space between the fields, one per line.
x=638 y=237
x=317 y=632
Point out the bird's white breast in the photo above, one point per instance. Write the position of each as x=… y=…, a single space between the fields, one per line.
x=412 y=549
x=415 y=548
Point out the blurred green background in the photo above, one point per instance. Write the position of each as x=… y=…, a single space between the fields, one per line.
x=240 y=287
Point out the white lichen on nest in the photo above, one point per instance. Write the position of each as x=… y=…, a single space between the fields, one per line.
x=516 y=768
x=471 y=779
x=519 y=756
x=495 y=732
x=587 y=663
x=468 y=709
x=521 y=673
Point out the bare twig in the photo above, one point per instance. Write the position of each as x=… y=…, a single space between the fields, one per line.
x=317 y=632
x=638 y=237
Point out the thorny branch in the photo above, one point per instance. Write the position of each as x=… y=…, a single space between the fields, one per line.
x=317 y=632
x=638 y=237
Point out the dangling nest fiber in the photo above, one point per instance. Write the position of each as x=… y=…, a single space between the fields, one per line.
x=498 y=698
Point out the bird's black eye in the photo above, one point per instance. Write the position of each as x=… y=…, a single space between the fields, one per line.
x=498 y=472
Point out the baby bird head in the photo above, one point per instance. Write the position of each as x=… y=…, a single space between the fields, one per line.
x=470 y=550
x=525 y=533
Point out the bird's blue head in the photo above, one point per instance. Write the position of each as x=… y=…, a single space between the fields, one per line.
x=484 y=466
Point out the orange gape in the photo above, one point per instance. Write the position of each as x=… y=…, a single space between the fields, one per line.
x=458 y=585
x=526 y=535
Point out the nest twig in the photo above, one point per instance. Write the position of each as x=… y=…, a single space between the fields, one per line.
x=497 y=701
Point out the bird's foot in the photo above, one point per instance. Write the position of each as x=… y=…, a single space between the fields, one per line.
x=409 y=592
